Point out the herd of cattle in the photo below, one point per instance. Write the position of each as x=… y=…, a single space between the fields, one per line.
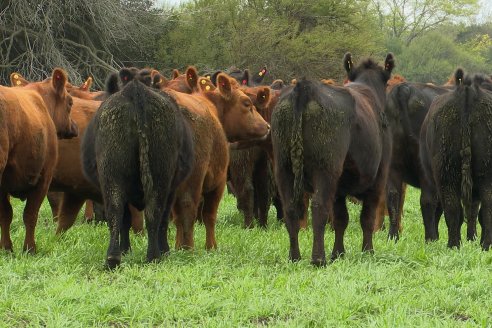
x=170 y=147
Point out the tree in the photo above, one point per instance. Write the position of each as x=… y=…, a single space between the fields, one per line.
x=90 y=37
x=408 y=19
x=435 y=56
x=293 y=38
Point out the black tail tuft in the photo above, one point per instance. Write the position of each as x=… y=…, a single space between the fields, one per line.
x=459 y=76
x=301 y=95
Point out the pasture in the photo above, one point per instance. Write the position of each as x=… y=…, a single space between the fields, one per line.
x=248 y=281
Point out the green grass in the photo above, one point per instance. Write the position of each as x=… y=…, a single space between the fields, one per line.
x=247 y=282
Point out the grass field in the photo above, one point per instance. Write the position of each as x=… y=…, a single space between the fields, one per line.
x=248 y=281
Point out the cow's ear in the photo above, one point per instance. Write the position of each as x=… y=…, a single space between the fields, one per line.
x=213 y=78
x=347 y=62
x=112 y=85
x=58 y=80
x=263 y=97
x=224 y=85
x=158 y=81
x=192 y=78
x=16 y=80
x=459 y=76
x=278 y=84
x=86 y=85
x=245 y=78
x=175 y=74
x=389 y=63
x=126 y=75
x=205 y=85
x=258 y=78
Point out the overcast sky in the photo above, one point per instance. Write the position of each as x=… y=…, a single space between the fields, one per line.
x=485 y=7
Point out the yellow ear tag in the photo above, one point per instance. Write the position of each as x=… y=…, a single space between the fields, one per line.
x=160 y=81
x=18 y=82
x=260 y=74
x=203 y=82
x=16 y=76
x=207 y=77
x=207 y=88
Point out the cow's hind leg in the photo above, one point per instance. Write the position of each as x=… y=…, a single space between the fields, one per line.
x=137 y=220
x=89 y=211
x=153 y=218
x=368 y=217
x=125 y=231
x=453 y=214
x=55 y=200
x=485 y=215
x=262 y=194
x=6 y=215
x=322 y=210
x=393 y=197
x=70 y=207
x=293 y=211
x=471 y=224
x=211 y=202
x=34 y=200
x=340 y=223
x=185 y=211
x=428 y=206
x=164 y=225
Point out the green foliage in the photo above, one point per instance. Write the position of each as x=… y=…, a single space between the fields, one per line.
x=435 y=56
x=292 y=38
x=247 y=281
x=407 y=20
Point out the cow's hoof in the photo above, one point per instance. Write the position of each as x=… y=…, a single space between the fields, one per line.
x=31 y=250
x=113 y=261
x=319 y=262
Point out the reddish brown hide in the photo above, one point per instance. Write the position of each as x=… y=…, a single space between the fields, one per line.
x=33 y=114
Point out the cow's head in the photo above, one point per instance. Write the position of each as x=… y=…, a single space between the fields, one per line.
x=56 y=98
x=181 y=82
x=368 y=71
x=238 y=115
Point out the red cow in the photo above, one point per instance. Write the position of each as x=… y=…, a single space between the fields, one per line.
x=216 y=117
x=32 y=118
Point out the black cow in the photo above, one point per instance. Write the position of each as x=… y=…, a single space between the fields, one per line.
x=137 y=149
x=243 y=77
x=332 y=141
x=406 y=107
x=456 y=155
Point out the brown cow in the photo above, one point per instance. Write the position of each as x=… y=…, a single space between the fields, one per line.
x=216 y=117
x=32 y=118
x=249 y=168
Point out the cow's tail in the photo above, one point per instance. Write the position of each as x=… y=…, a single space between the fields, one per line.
x=138 y=93
x=300 y=97
x=466 y=155
x=402 y=95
